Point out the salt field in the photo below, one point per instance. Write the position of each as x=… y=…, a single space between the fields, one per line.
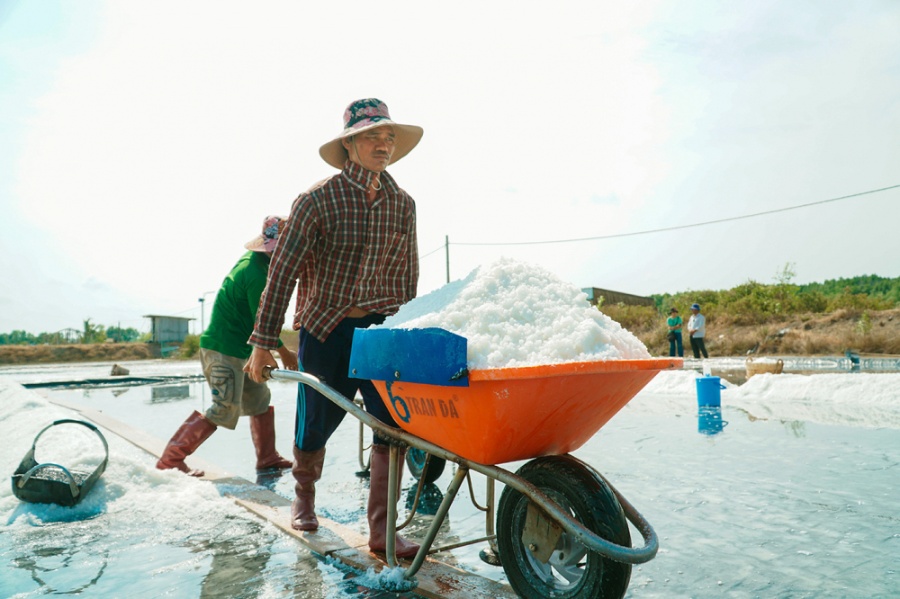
x=788 y=490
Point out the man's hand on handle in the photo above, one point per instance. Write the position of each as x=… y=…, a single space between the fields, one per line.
x=259 y=359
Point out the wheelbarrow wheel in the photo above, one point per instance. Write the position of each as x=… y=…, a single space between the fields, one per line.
x=571 y=570
x=415 y=460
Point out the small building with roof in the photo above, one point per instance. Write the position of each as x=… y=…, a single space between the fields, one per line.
x=168 y=329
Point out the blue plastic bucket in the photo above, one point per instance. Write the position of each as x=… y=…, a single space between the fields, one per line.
x=709 y=391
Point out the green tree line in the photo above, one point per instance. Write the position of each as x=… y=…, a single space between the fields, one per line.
x=754 y=302
x=870 y=285
x=89 y=333
x=749 y=303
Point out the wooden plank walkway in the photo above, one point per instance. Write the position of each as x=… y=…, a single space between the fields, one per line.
x=436 y=579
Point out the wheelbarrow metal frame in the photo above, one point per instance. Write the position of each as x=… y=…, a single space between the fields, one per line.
x=591 y=540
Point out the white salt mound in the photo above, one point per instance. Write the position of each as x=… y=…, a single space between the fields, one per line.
x=514 y=314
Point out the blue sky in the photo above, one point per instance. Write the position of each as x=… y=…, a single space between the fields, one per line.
x=144 y=142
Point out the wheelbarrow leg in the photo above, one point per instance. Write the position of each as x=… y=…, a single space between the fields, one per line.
x=490 y=555
x=436 y=523
x=390 y=548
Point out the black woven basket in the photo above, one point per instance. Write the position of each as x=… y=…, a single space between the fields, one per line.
x=54 y=483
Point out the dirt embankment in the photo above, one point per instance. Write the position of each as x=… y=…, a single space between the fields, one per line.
x=94 y=352
x=878 y=333
x=871 y=333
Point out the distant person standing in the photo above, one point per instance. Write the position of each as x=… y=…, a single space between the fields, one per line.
x=675 y=324
x=223 y=353
x=697 y=332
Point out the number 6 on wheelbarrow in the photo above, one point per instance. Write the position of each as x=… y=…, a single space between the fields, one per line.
x=562 y=528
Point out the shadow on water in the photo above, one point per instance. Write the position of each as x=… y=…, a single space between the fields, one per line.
x=269 y=478
x=429 y=500
x=239 y=563
x=64 y=569
x=169 y=393
x=709 y=421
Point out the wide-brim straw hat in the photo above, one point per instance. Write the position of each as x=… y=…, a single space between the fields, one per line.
x=265 y=241
x=363 y=115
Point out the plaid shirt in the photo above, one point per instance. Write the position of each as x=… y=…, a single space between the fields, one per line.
x=341 y=252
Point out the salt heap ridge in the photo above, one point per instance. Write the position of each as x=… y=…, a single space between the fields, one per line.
x=515 y=314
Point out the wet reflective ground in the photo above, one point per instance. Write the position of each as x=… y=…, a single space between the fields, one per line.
x=744 y=507
x=734 y=370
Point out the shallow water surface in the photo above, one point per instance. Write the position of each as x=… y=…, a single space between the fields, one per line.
x=744 y=505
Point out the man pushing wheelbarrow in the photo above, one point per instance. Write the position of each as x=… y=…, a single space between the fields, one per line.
x=350 y=245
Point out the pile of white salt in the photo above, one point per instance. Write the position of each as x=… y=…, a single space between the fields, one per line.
x=514 y=314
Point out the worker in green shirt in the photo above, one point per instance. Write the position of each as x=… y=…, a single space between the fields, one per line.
x=223 y=353
x=675 y=324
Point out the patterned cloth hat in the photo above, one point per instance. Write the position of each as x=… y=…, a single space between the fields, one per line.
x=265 y=241
x=363 y=115
x=695 y=307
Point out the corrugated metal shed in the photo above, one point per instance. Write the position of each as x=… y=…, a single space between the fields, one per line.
x=616 y=297
x=168 y=329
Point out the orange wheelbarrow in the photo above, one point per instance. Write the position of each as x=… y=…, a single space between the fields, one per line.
x=562 y=528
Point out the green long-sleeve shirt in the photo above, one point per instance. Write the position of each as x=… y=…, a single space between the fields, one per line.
x=234 y=310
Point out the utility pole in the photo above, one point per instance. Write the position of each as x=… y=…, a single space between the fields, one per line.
x=202 y=300
x=202 y=324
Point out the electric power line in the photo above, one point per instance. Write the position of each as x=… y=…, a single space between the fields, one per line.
x=679 y=227
x=437 y=249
